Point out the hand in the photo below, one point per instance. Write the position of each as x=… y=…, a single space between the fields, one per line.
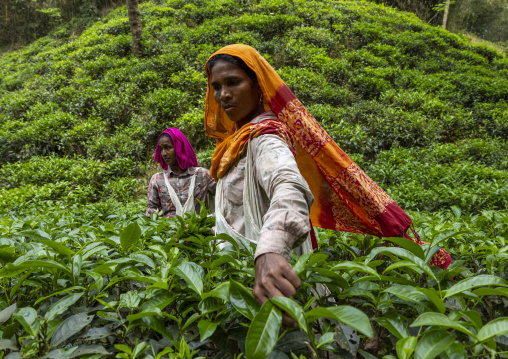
x=275 y=278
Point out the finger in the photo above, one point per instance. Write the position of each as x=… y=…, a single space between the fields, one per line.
x=271 y=291
x=292 y=277
x=265 y=291
x=288 y=321
x=260 y=296
x=285 y=287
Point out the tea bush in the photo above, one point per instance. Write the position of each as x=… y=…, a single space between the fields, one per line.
x=357 y=52
x=85 y=274
x=72 y=180
x=469 y=174
x=89 y=283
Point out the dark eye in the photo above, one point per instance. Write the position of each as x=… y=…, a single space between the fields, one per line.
x=216 y=87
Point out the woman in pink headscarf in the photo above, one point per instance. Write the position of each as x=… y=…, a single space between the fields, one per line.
x=176 y=190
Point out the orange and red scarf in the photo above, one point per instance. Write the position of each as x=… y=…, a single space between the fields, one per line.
x=346 y=199
x=234 y=146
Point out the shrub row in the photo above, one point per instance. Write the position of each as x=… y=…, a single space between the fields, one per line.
x=376 y=78
x=77 y=180
x=471 y=175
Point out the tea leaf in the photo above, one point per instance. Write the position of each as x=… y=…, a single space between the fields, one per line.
x=70 y=327
x=293 y=309
x=188 y=271
x=434 y=298
x=57 y=247
x=149 y=313
x=456 y=211
x=130 y=236
x=408 y=293
x=353 y=266
x=44 y=264
x=221 y=291
x=6 y=314
x=144 y=259
x=346 y=314
x=263 y=331
x=474 y=282
x=394 y=324
x=456 y=351
x=61 y=306
x=7 y=344
x=404 y=253
x=97 y=333
x=408 y=244
x=493 y=329
x=206 y=329
x=406 y=347
x=442 y=320
x=432 y=344
x=27 y=317
x=36 y=235
x=243 y=300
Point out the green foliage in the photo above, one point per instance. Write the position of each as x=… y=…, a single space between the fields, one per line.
x=308 y=86
x=85 y=274
x=69 y=280
x=75 y=180
x=484 y=18
x=24 y=21
x=377 y=79
x=471 y=175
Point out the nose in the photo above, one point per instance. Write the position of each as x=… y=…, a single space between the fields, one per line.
x=225 y=94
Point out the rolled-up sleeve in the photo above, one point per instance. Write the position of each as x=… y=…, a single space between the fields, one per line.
x=286 y=224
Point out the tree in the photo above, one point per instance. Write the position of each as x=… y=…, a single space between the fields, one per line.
x=135 y=25
x=23 y=21
x=486 y=19
x=445 y=15
x=422 y=8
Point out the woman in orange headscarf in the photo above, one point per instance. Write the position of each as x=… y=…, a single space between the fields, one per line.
x=271 y=146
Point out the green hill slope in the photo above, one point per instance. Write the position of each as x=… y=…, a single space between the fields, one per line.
x=79 y=119
x=83 y=272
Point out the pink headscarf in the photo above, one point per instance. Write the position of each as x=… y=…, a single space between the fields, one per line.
x=185 y=155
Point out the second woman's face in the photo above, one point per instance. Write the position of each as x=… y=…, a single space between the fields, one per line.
x=168 y=151
x=235 y=92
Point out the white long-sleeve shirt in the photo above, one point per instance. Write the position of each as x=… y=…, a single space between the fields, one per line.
x=285 y=196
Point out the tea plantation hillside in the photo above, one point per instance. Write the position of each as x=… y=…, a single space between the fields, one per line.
x=83 y=273
x=79 y=115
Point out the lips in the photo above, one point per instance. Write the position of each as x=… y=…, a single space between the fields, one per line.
x=228 y=108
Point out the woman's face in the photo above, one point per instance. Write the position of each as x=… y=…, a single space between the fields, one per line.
x=236 y=92
x=168 y=151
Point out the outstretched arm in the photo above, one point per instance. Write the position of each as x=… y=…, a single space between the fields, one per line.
x=285 y=224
